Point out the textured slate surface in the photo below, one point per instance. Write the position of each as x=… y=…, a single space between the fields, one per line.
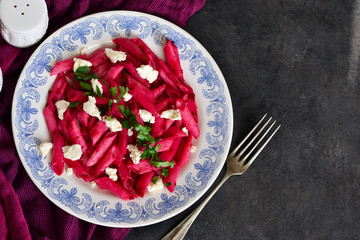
x=298 y=61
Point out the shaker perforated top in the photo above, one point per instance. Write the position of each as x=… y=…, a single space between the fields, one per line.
x=23 y=22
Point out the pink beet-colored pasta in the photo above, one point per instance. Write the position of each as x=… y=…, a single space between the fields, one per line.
x=50 y=119
x=101 y=148
x=158 y=91
x=115 y=187
x=143 y=100
x=165 y=143
x=76 y=95
x=64 y=126
x=173 y=59
x=83 y=116
x=169 y=155
x=62 y=66
x=129 y=57
x=132 y=48
x=79 y=170
x=122 y=143
x=106 y=160
x=133 y=83
x=141 y=148
x=98 y=131
x=142 y=167
x=188 y=119
x=59 y=87
x=171 y=178
x=113 y=75
x=157 y=128
x=130 y=68
x=185 y=155
x=143 y=182
x=76 y=136
x=169 y=77
x=98 y=58
x=57 y=163
x=125 y=176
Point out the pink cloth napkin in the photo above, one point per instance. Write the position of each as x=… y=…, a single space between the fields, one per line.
x=25 y=213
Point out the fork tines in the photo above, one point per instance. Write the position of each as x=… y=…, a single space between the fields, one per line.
x=257 y=141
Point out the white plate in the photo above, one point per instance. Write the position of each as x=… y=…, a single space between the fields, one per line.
x=75 y=196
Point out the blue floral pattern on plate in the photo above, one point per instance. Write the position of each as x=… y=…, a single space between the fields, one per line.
x=67 y=195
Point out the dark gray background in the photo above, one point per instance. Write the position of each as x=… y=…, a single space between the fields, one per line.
x=298 y=61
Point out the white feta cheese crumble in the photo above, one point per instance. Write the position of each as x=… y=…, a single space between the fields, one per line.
x=148 y=73
x=90 y=107
x=130 y=131
x=146 y=116
x=95 y=84
x=193 y=148
x=185 y=130
x=111 y=172
x=80 y=63
x=72 y=152
x=113 y=124
x=115 y=56
x=127 y=97
x=173 y=114
x=135 y=153
x=93 y=184
x=158 y=185
x=83 y=50
x=61 y=107
x=45 y=148
x=69 y=171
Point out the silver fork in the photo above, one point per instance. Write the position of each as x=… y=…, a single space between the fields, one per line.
x=237 y=163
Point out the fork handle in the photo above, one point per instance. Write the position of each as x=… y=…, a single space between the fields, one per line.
x=179 y=232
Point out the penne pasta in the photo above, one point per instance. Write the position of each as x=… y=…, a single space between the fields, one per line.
x=97 y=105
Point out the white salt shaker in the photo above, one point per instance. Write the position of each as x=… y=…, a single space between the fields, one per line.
x=1 y=80
x=23 y=22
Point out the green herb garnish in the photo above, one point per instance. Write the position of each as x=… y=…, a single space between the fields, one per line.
x=125 y=123
x=86 y=86
x=144 y=138
x=154 y=179
x=165 y=172
x=110 y=103
x=123 y=91
x=98 y=91
x=83 y=74
x=161 y=164
x=113 y=91
x=73 y=104
x=90 y=93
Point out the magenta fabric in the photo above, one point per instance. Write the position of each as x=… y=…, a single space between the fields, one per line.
x=25 y=213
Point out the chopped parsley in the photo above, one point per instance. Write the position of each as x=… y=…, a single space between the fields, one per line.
x=73 y=104
x=165 y=172
x=83 y=74
x=123 y=91
x=86 y=86
x=98 y=91
x=144 y=138
x=154 y=179
x=113 y=91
